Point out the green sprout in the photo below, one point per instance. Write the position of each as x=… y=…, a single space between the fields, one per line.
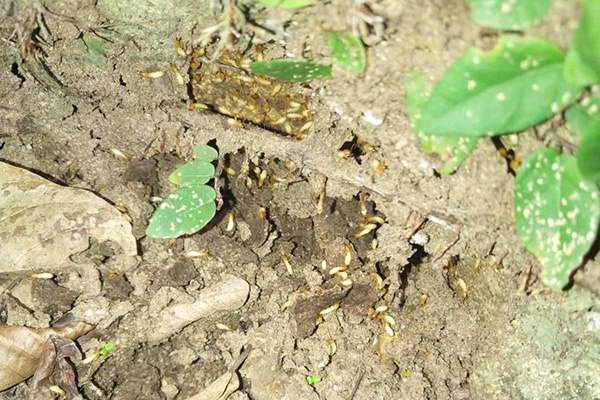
x=108 y=347
x=557 y=212
x=312 y=380
x=189 y=208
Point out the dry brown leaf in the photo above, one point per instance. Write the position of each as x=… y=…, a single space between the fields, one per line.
x=42 y=224
x=219 y=389
x=21 y=348
x=54 y=369
x=226 y=384
x=229 y=294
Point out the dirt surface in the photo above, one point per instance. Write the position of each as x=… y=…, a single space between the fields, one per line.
x=447 y=263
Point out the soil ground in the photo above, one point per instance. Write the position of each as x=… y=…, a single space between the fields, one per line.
x=450 y=260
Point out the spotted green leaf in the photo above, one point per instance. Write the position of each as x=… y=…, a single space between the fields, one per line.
x=508 y=14
x=557 y=213
x=292 y=70
x=205 y=153
x=515 y=86
x=453 y=150
x=582 y=65
x=192 y=173
x=347 y=51
x=288 y=4
x=186 y=211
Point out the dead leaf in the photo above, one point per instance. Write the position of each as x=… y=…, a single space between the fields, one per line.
x=54 y=369
x=42 y=224
x=21 y=348
x=219 y=389
x=226 y=384
x=229 y=294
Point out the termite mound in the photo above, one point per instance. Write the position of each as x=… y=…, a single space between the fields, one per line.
x=228 y=87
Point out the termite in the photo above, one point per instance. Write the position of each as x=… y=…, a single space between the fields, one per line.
x=152 y=74
x=288 y=265
x=177 y=74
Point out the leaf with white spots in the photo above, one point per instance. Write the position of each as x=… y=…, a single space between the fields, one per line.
x=347 y=51
x=186 y=211
x=292 y=70
x=582 y=65
x=508 y=14
x=557 y=213
x=192 y=173
x=515 y=86
x=205 y=153
x=453 y=150
x=585 y=120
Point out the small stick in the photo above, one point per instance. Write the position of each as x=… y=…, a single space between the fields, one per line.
x=361 y=373
x=241 y=358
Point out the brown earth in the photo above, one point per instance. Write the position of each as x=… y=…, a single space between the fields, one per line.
x=448 y=253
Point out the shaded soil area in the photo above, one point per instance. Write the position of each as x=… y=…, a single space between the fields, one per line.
x=401 y=284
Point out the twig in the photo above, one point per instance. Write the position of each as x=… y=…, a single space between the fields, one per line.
x=361 y=373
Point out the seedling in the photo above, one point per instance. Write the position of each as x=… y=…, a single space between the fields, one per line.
x=189 y=208
x=520 y=83
x=108 y=347
x=312 y=380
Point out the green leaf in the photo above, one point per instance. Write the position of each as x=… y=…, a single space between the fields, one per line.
x=347 y=51
x=580 y=116
x=585 y=120
x=205 y=153
x=96 y=49
x=186 y=211
x=557 y=213
x=287 y=4
x=192 y=173
x=582 y=66
x=517 y=85
x=292 y=70
x=312 y=380
x=588 y=156
x=453 y=149
x=508 y=14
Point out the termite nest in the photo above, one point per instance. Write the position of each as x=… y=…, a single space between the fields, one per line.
x=228 y=87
